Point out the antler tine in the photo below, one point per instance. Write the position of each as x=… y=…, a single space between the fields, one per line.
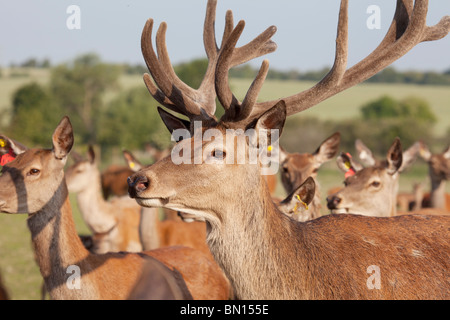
x=173 y=93
x=223 y=91
x=408 y=28
x=167 y=94
x=235 y=110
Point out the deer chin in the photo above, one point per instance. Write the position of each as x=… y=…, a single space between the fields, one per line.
x=152 y=202
x=340 y=211
x=189 y=217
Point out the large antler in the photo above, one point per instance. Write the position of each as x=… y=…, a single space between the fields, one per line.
x=174 y=94
x=408 y=29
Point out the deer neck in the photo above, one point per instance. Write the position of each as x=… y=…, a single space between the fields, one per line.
x=255 y=246
x=149 y=228
x=94 y=208
x=438 y=194
x=56 y=244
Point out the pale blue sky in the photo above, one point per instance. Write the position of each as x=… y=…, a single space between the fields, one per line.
x=305 y=36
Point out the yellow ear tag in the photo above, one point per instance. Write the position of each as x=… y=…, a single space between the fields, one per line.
x=269 y=148
x=131 y=165
x=347 y=165
x=2 y=143
x=303 y=203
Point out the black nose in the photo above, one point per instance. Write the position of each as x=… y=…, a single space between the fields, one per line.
x=137 y=184
x=333 y=202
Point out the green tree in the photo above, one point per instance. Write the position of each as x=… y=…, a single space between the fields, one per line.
x=34 y=114
x=384 y=107
x=79 y=86
x=192 y=73
x=409 y=107
x=131 y=120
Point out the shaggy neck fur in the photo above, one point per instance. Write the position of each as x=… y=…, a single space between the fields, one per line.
x=256 y=261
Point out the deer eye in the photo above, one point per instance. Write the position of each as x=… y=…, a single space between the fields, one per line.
x=33 y=172
x=218 y=154
x=375 y=184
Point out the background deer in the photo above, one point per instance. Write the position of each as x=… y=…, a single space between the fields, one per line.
x=404 y=200
x=114 y=178
x=371 y=190
x=34 y=183
x=439 y=173
x=296 y=167
x=114 y=223
x=247 y=234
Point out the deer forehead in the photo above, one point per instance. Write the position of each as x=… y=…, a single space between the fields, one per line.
x=299 y=160
x=32 y=157
x=365 y=175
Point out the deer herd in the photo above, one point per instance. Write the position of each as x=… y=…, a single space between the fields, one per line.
x=224 y=234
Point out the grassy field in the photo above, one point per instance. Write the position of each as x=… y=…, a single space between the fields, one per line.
x=17 y=266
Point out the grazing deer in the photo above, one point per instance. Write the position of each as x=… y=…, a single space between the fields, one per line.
x=34 y=183
x=114 y=223
x=371 y=190
x=296 y=167
x=257 y=246
x=439 y=173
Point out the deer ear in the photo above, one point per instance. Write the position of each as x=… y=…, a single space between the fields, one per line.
x=409 y=156
x=16 y=147
x=424 y=152
x=328 y=148
x=172 y=122
x=346 y=163
x=131 y=160
x=63 y=139
x=302 y=196
x=91 y=154
x=446 y=153
x=270 y=122
x=364 y=153
x=306 y=191
x=394 y=157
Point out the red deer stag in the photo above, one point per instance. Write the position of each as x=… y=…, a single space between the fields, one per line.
x=257 y=246
x=34 y=183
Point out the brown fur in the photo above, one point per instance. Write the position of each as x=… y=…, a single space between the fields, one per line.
x=114 y=181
